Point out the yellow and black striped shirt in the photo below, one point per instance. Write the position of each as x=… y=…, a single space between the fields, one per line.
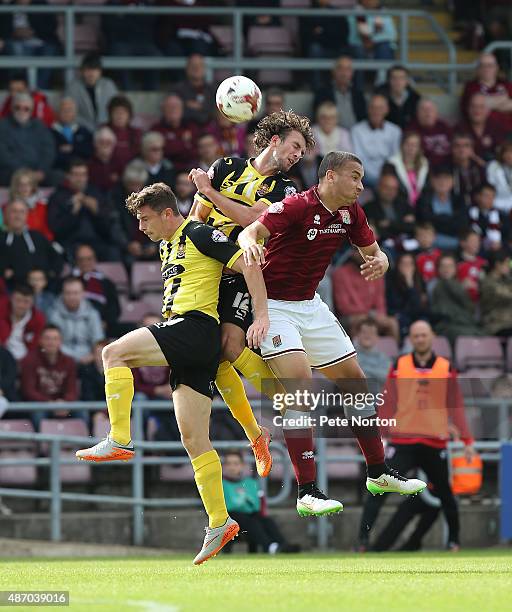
x=192 y=263
x=237 y=179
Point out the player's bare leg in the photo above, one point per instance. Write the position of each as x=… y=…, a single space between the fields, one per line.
x=135 y=349
x=294 y=371
x=381 y=479
x=192 y=410
x=233 y=393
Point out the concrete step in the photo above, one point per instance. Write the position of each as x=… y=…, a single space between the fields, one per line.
x=443 y=18
x=439 y=55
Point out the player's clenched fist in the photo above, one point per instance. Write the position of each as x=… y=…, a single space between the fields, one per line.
x=200 y=179
x=374 y=267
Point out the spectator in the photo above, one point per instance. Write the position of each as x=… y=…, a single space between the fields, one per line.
x=104 y=167
x=197 y=95
x=453 y=312
x=77 y=214
x=499 y=175
x=22 y=249
x=388 y=211
x=443 y=209
x=496 y=296
x=371 y=36
x=79 y=322
x=411 y=167
x=405 y=293
x=243 y=503
x=401 y=97
x=427 y=254
x=424 y=414
x=8 y=374
x=129 y=238
x=92 y=92
x=159 y=169
x=436 y=134
x=20 y=323
x=152 y=382
x=132 y=35
x=43 y=299
x=31 y=34
x=180 y=136
x=185 y=191
x=486 y=219
x=374 y=363
x=375 y=140
x=231 y=137
x=47 y=375
x=25 y=142
x=486 y=132
x=41 y=109
x=71 y=138
x=468 y=174
x=99 y=290
x=498 y=93
x=208 y=150
x=349 y=98
x=24 y=187
x=120 y=115
x=355 y=299
x=471 y=267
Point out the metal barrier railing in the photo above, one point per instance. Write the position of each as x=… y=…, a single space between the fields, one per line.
x=238 y=63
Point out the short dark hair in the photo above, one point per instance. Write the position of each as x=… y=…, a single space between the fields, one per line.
x=281 y=124
x=335 y=160
x=23 y=289
x=442 y=170
x=157 y=196
x=120 y=102
x=51 y=327
x=497 y=257
x=485 y=185
x=18 y=76
x=76 y=162
x=425 y=225
x=72 y=279
x=397 y=67
x=90 y=61
x=234 y=451
x=369 y=322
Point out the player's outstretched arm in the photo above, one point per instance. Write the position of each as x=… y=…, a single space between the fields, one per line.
x=375 y=263
x=256 y=285
x=248 y=241
x=240 y=214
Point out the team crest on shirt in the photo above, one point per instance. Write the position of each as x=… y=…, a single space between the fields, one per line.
x=289 y=190
x=218 y=236
x=345 y=216
x=181 y=250
x=276 y=341
x=263 y=190
x=311 y=235
x=276 y=207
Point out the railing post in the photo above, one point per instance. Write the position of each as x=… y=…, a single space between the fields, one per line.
x=55 y=488
x=322 y=522
x=69 y=42
x=138 y=480
x=404 y=38
x=237 y=41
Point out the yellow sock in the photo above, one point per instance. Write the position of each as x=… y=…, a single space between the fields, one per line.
x=257 y=372
x=208 y=475
x=232 y=390
x=119 y=394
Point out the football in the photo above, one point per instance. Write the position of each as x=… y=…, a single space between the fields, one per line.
x=238 y=98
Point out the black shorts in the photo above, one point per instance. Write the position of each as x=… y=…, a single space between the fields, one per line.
x=191 y=345
x=235 y=301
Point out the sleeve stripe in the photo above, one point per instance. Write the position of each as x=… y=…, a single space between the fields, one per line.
x=234 y=258
x=203 y=200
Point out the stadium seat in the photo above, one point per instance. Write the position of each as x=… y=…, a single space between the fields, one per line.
x=146 y=277
x=81 y=472
x=17 y=425
x=132 y=312
x=100 y=428
x=223 y=34
x=477 y=382
x=340 y=469
x=295 y=3
x=144 y=121
x=388 y=345
x=17 y=449
x=176 y=473
x=442 y=347
x=116 y=272
x=153 y=301
x=263 y=40
x=343 y=3
x=478 y=352
x=4 y=195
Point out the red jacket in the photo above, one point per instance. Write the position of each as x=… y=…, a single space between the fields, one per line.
x=32 y=330
x=42 y=109
x=42 y=381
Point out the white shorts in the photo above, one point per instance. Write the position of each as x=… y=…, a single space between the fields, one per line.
x=308 y=327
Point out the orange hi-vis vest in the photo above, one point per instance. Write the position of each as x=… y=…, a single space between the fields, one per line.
x=421 y=399
x=466 y=476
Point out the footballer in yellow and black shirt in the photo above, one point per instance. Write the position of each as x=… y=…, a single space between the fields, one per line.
x=238 y=180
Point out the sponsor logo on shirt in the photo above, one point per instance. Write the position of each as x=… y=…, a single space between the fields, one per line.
x=218 y=236
x=335 y=228
x=308 y=455
x=290 y=190
x=172 y=270
x=311 y=235
x=276 y=207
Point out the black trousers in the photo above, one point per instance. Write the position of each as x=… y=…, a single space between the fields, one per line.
x=433 y=461
x=261 y=530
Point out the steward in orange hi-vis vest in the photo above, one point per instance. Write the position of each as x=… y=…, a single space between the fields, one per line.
x=426 y=402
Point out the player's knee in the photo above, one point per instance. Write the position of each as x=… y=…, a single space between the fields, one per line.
x=192 y=443
x=232 y=347
x=112 y=355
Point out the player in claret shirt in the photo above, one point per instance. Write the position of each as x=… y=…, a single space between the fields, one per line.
x=304 y=231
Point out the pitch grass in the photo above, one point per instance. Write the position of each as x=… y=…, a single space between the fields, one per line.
x=432 y=582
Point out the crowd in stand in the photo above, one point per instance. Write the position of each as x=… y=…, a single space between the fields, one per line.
x=438 y=195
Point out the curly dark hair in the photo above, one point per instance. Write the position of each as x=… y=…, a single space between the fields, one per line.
x=157 y=196
x=281 y=124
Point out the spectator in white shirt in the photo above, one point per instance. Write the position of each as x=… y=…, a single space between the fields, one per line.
x=375 y=140
x=499 y=175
